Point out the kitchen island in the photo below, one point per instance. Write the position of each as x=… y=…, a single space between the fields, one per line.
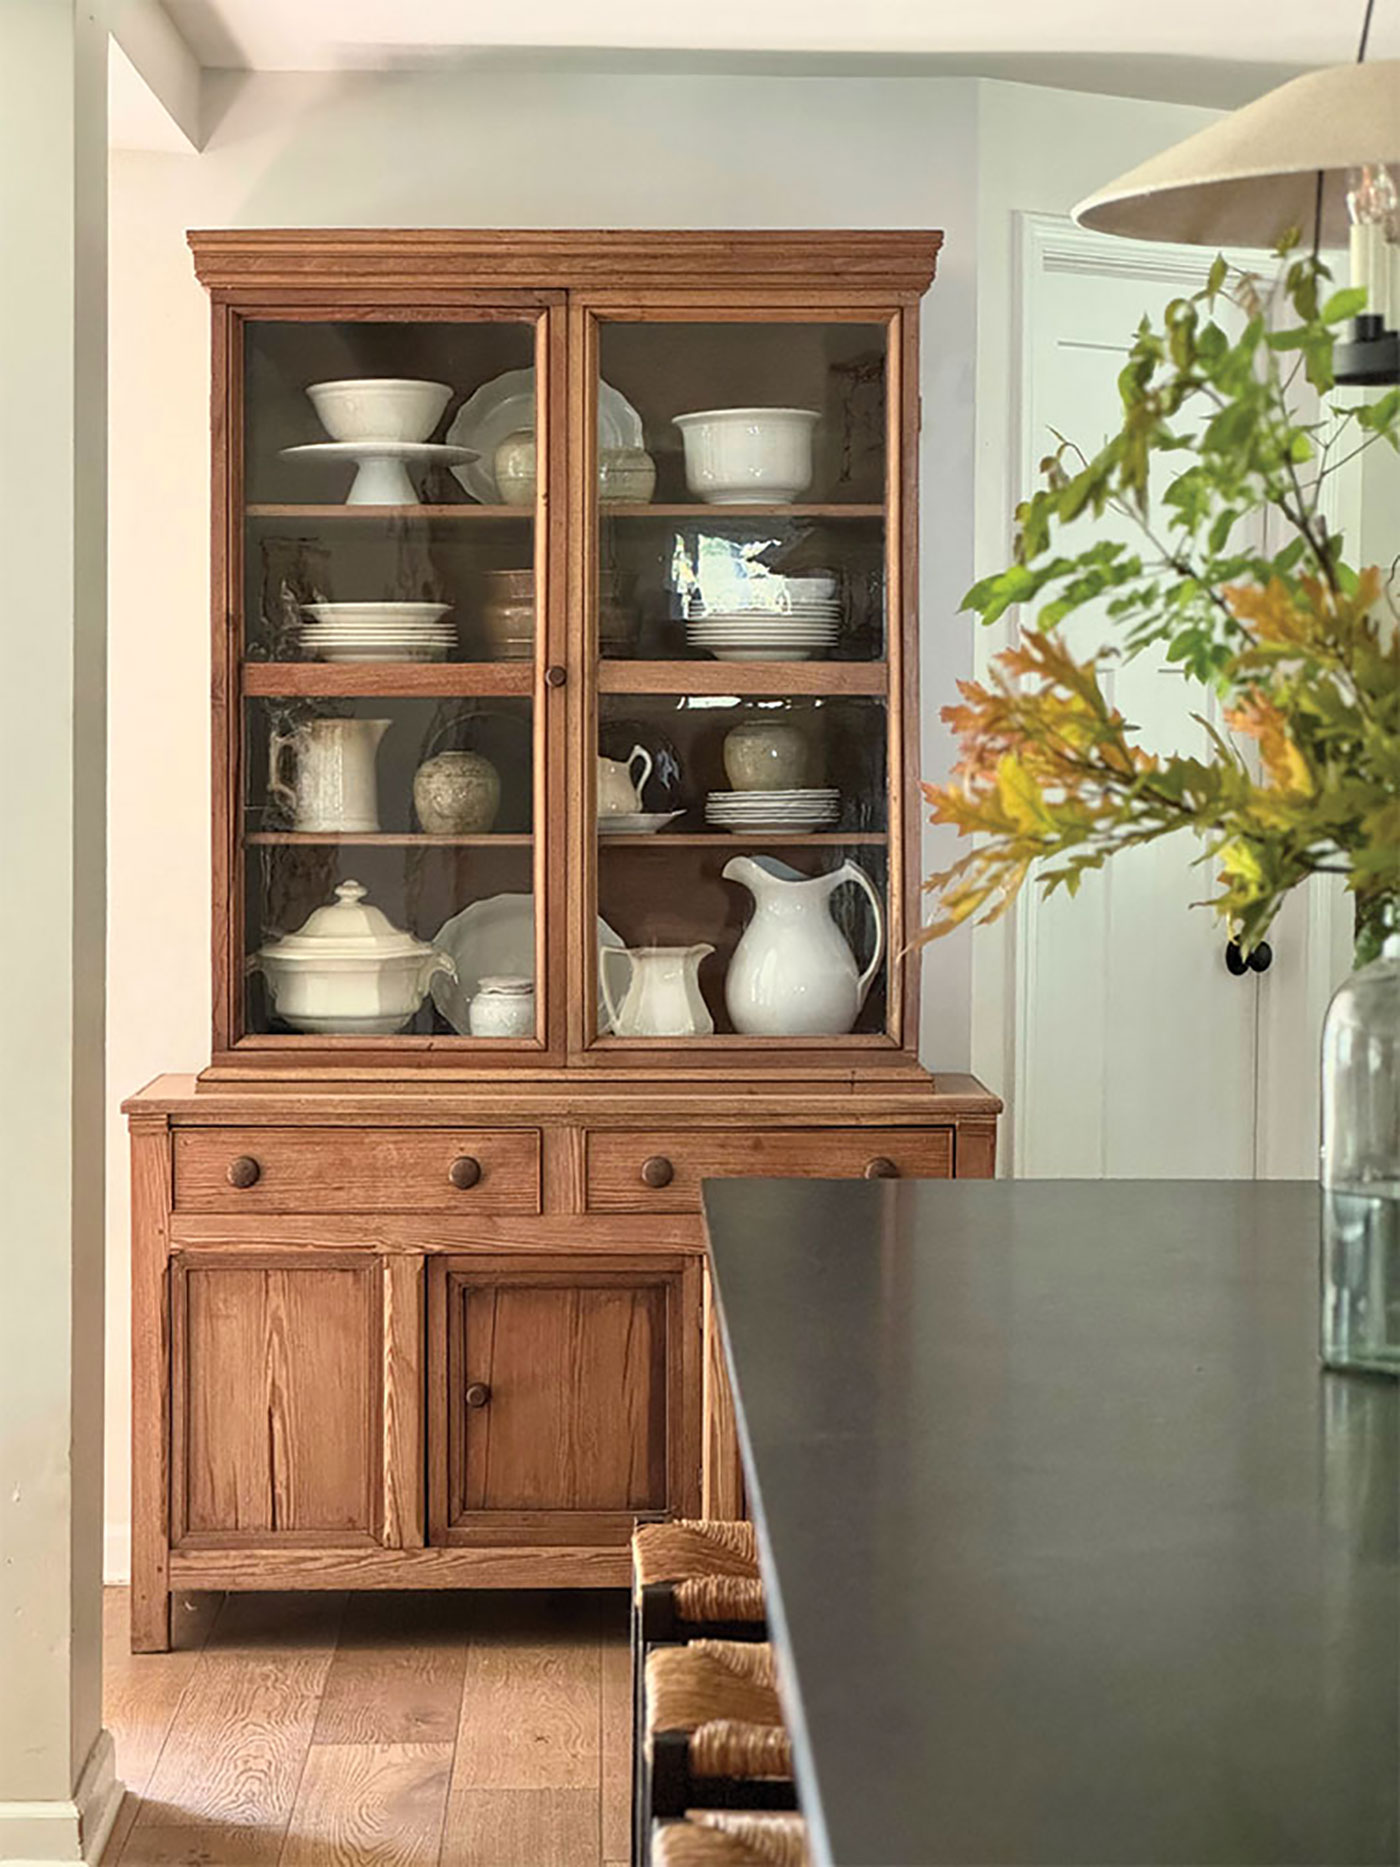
x=1074 y=1554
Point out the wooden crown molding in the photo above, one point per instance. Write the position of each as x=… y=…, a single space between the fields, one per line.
x=283 y=257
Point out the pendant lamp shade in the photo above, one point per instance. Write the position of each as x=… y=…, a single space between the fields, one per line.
x=1249 y=179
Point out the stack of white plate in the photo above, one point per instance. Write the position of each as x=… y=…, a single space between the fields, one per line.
x=795 y=634
x=378 y=631
x=745 y=811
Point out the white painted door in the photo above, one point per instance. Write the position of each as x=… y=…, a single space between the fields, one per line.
x=1137 y=1053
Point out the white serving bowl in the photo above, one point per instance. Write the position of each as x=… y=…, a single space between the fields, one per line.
x=412 y=614
x=819 y=590
x=737 y=455
x=379 y=408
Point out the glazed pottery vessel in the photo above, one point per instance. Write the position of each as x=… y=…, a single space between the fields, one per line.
x=663 y=996
x=619 y=787
x=348 y=970
x=734 y=455
x=457 y=794
x=515 y=468
x=626 y=476
x=793 y=973
x=333 y=786
x=768 y=755
x=504 y=1006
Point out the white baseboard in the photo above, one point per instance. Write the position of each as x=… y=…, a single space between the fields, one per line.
x=38 y=1834
x=116 y=1554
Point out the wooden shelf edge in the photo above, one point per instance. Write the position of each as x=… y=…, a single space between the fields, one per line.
x=831 y=509
x=265 y=510
x=383 y=839
x=722 y=839
x=393 y=679
x=743 y=677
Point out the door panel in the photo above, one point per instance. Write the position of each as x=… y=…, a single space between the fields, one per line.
x=561 y=1400
x=276 y=1406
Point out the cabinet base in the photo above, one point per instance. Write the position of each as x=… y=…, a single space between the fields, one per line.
x=550 y=1567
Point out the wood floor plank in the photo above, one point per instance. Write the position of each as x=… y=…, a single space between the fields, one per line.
x=521 y=1828
x=531 y=1700
x=369 y=1805
x=141 y=1691
x=234 y=1755
x=616 y=1758
x=397 y=1673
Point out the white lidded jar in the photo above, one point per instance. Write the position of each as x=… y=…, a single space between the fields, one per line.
x=348 y=971
x=504 y=1006
x=1360 y=1169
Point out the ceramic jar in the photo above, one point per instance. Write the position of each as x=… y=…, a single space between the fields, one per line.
x=457 y=794
x=508 y=615
x=348 y=970
x=515 y=469
x=768 y=755
x=504 y=1006
x=626 y=476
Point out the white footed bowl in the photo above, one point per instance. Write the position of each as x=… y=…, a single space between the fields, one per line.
x=379 y=408
x=733 y=455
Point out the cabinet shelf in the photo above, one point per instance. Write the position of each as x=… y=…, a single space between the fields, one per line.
x=722 y=514
x=368 y=514
x=724 y=839
x=742 y=677
x=382 y=839
x=405 y=679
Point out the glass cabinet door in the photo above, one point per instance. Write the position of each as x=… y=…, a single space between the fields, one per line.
x=389 y=619
x=743 y=577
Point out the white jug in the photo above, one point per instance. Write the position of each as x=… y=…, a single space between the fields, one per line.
x=663 y=997
x=619 y=793
x=333 y=785
x=793 y=973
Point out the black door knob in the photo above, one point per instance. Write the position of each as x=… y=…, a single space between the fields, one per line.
x=1258 y=959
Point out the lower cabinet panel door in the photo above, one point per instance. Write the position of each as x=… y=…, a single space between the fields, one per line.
x=276 y=1414
x=562 y=1402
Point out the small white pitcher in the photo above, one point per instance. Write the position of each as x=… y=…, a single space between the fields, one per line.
x=619 y=793
x=663 y=997
x=333 y=786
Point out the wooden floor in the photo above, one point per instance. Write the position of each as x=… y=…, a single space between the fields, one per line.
x=412 y=1730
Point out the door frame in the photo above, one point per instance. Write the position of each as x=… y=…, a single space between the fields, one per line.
x=1044 y=244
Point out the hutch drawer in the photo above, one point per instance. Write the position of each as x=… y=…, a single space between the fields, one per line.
x=460 y=1170
x=651 y=1172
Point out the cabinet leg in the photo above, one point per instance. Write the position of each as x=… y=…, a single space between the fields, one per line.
x=150 y=1619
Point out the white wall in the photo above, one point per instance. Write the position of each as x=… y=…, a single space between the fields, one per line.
x=474 y=148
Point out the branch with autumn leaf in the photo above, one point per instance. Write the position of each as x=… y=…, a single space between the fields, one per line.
x=1051 y=779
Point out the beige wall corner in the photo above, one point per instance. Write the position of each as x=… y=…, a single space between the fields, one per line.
x=57 y=1785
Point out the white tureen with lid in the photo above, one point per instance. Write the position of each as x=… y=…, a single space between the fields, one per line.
x=348 y=970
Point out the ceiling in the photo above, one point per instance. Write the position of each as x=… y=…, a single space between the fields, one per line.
x=1215 y=51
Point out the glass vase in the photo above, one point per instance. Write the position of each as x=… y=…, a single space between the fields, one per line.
x=1361 y=1169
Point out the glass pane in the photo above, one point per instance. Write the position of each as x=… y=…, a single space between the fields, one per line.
x=420 y=549
x=428 y=806
x=743 y=809
x=390 y=520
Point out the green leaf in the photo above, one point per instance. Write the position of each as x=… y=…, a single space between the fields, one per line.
x=1345 y=304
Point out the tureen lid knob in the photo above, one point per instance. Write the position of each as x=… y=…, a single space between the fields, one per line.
x=350 y=892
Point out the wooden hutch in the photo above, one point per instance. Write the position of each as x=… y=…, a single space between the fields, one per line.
x=428 y=1309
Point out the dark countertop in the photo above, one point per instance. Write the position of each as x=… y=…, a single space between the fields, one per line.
x=1074 y=1554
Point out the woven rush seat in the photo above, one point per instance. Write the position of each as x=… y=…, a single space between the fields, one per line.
x=691 y=1548
x=709 y=1681
x=731 y=1838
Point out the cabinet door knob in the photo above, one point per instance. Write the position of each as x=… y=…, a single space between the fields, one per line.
x=478 y=1394
x=657 y=1171
x=554 y=675
x=244 y=1171
x=881 y=1168
x=465 y=1171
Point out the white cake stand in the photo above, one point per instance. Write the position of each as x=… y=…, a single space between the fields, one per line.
x=382 y=477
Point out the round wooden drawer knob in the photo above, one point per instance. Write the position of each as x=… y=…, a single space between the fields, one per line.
x=658 y=1171
x=465 y=1171
x=555 y=676
x=244 y=1171
x=478 y=1394
x=881 y=1168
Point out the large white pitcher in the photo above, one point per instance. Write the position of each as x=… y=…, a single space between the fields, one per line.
x=793 y=973
x=663 y=997
x=333 y=784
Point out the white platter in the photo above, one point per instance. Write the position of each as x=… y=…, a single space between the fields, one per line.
x=360 y=613
x=493 y=937
x=637 y=822
x=506 y=405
